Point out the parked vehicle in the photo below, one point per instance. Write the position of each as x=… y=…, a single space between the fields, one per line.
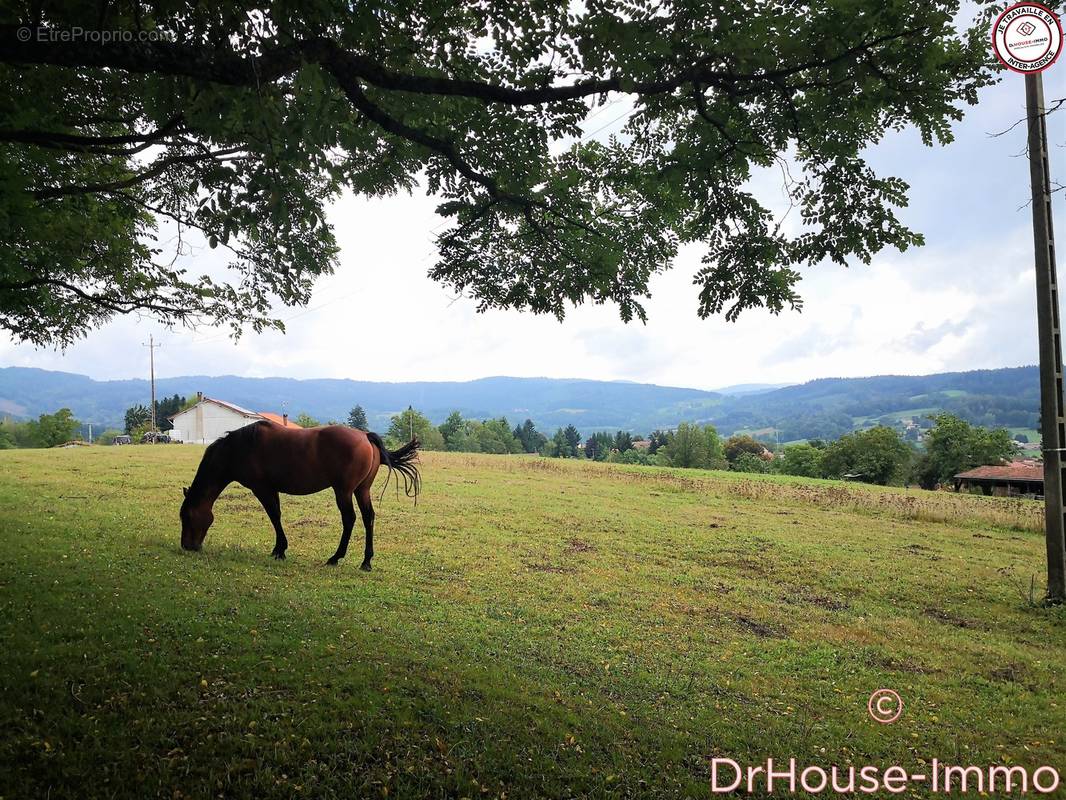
x=155 y=437
x=123 y=440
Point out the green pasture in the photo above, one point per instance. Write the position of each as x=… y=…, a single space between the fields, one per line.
x=532 y=628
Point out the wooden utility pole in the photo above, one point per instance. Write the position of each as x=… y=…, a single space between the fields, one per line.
x=151 y=360
x=1052 y=420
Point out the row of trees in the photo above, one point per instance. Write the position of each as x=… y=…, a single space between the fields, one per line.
x=461 y=435
x=877 y=455
x=880 y=454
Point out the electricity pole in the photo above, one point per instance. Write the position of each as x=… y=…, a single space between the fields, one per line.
x=151 y=360
x=1052 y=420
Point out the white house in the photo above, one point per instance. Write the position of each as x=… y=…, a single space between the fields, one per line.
x=211 y=419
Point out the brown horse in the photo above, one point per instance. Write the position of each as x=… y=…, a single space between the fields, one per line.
x=268 y=459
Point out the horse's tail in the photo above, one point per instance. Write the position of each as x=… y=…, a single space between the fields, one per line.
x=404 y=460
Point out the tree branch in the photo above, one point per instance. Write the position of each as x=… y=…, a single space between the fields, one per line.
x=157 y=169
x=230 y=68
x=80 y=143
x=117 y=306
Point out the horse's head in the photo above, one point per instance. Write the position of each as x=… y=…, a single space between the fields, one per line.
x=196 y=518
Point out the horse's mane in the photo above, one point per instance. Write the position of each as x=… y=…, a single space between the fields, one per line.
x=238 y=438
x=221 y=452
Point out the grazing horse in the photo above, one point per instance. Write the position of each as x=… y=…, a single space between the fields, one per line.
x=268 y=459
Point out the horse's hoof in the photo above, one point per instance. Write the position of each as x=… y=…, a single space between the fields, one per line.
x=278 y=555
x=365 y=566
x=333 y=562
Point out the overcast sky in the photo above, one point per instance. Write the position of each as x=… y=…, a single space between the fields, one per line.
x=963 y=301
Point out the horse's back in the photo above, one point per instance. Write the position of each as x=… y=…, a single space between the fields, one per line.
x=308 y=460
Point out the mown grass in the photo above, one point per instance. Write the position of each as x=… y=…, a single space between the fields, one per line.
x=532 y=628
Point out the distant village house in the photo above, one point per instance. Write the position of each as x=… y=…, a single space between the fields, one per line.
x=212 y=419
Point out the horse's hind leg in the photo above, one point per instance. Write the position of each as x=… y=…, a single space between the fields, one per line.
x=366 y=508
x=272 y=505
x=344 y=503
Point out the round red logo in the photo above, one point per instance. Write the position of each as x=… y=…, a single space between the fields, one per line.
x=1027 y=37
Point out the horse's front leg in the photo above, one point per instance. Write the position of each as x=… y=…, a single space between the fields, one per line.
x=272 y=505
x=344 y=503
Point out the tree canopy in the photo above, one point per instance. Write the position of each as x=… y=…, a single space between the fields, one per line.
x=305 y=420
x=48 y=430
x=237 y=126
x=876 y=455
x=413 y=424
x=954 y=446
x=137 y=417
x=695 y=446
x=357 y=419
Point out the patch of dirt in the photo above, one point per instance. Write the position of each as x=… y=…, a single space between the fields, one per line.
x=760 y=629
x=746 y=565
x=806 y=597
x=948 y=618
x=921 y=550
x=578 y=546
x=1008 y=673
x=897 y=665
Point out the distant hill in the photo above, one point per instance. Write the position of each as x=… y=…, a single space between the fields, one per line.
x=829 y=407
x=751 y=388
x=824 y=408
x=550 y=402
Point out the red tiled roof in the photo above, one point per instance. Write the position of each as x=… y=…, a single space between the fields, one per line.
x=279 y=419
x=1015 y=471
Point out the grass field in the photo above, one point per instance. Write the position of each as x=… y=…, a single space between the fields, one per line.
x=532 y=628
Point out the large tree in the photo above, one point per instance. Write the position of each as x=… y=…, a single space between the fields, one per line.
x=166 y=408
x=532 y=440
x=50 y=430
x=238 y=125
x=413 y=424
x=136 y=417
x=694 y=446
x=954 y=446
x=357 y=419
x=877 y=455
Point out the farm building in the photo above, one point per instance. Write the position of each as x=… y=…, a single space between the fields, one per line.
x=210 y=419
x=1019 y=478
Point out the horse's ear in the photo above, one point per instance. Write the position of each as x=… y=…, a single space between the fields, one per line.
x=185 y=491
